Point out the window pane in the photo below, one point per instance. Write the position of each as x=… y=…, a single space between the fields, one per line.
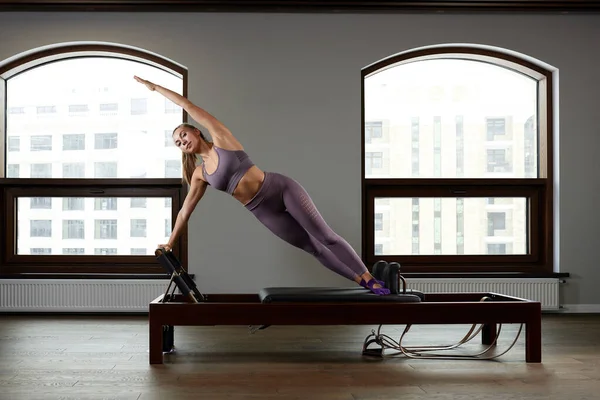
x=71 y=126
x=450 y=118
x=449 y=226
x=92 y=226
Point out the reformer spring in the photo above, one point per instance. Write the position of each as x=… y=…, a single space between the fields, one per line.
x=417 y=352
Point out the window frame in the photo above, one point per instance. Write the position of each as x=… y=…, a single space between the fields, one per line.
x=13 y=265
x=539 y=192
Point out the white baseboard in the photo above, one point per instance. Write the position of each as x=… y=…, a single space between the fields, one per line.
x=580 y=309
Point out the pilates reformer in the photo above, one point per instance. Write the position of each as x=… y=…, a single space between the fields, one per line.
x=345 y=306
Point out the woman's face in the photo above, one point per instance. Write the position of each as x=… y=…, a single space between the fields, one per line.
x=187 y=140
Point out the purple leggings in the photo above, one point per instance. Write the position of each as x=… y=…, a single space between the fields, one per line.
x=286 y=209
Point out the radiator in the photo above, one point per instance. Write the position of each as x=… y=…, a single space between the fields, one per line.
x=75 y=295
x=544 y=290
x=71 y=295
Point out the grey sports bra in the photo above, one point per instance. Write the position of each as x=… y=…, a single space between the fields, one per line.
x=231 y=167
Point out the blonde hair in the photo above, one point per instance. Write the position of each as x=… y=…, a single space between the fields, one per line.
x=188 y=161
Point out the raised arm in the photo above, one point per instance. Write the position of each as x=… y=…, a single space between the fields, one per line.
x=203 y=117
x=196 y=192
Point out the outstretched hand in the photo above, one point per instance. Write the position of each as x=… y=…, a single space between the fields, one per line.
x=148 y=84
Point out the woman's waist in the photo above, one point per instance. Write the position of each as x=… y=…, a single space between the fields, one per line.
x=249 y=184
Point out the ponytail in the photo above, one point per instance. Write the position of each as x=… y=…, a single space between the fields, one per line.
x=189 y=165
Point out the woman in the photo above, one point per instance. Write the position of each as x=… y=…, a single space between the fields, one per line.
x=277 y=201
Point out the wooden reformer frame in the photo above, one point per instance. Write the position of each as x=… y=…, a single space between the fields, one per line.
x=192 y=308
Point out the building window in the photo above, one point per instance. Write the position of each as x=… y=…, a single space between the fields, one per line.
x=530 y=157
x=450 y=167
x=41 y=143
x=168 y=227
x=378 y=221
x=137 y=228
x=109 y=109
x=414 y=145
x=138 y=202
x=496 y=248
x=460 y=147
x=105 y=229
x=103 y=251
x=103 y=141
x=12 y=170
x=75 y=109
x=74 y=141
x=73 y=251
x=105 y=203
x=437 y=226
x=41 y=110
x=40 y=250
x=40 y=203
x=415 y=212
x=373 y=129
x=73 y=203
x=373 y=160
x=14 y=143
x=498 y=160
x=73 y=229
x=460 y=226
x=496 y=128
x=496 y=221
x=40 y=228
x=16 y=110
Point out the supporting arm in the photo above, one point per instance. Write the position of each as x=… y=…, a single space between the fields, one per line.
x=197 y=190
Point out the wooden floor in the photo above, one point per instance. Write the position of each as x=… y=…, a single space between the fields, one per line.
x=105 y=357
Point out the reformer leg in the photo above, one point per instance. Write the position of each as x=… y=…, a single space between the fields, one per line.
x=533 y=341
x=489 y=334
x=168 y=338
x=156 y=337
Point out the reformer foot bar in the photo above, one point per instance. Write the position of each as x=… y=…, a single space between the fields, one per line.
x=346 y=306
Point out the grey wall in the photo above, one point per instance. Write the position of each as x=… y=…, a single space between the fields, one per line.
x=289 y=87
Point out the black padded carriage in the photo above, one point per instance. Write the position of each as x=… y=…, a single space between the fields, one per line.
x=389 y=273
x=329 y=294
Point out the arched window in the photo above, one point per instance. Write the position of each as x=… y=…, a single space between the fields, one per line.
x=458 y=161
x=93 y=180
